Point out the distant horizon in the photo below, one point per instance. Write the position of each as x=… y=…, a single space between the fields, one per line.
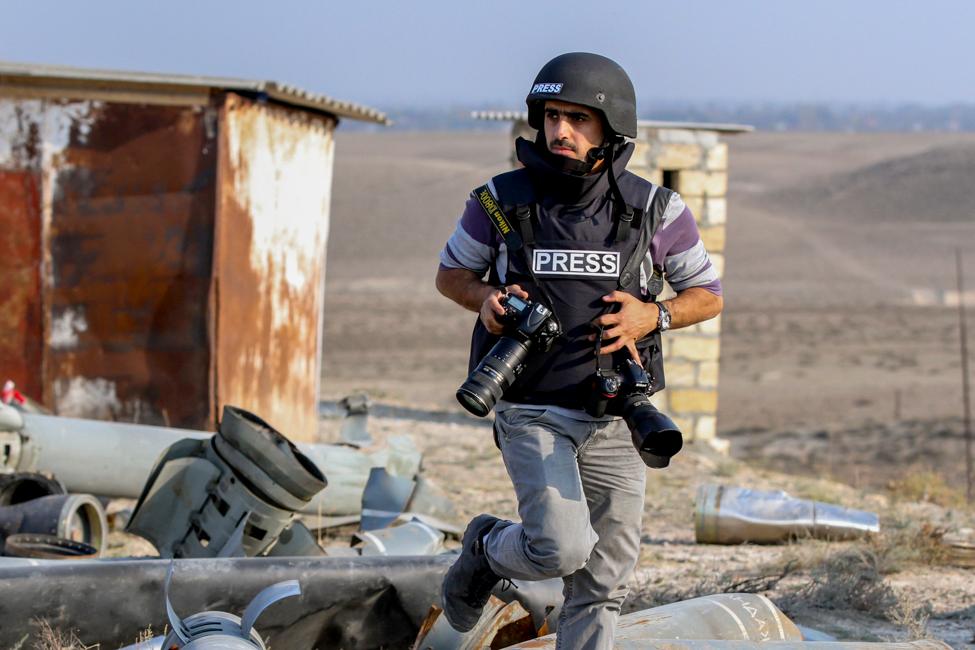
x=439 y=52
x=518 y=103
x=764 y=116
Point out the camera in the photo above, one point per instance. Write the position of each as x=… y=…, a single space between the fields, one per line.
x=624 y=391
x=527 y=325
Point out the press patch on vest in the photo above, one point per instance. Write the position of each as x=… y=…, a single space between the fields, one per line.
x=594 y=264
x=552 y=89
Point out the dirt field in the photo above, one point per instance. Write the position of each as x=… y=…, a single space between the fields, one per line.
x=839 y=356
x=838 y=257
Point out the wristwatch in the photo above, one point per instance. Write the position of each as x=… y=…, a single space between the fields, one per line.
x=663 y=318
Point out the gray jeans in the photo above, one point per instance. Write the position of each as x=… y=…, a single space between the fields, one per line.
x=580 y=488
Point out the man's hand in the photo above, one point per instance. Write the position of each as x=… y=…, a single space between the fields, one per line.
x=635 y=319
x=492 y=308
x=466 y=288
x=632 y=321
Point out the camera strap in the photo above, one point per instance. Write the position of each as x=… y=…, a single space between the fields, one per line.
x=494 y=212
x=604 y=362
x=512 y=239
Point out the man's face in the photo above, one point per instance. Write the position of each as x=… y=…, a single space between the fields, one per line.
x=572 y=130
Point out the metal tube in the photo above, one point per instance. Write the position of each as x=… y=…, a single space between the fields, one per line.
x=669 y=644
x=109 y=459
x=411 y=538
x=114 y=459
x=346 y=602
x=733 y=515
x=721 y=616
x=722 y=622
x=19 y=487
x=74 y=517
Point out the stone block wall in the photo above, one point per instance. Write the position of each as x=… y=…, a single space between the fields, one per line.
x=693 y=162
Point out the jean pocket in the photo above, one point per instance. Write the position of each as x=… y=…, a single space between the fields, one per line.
x=514 y=423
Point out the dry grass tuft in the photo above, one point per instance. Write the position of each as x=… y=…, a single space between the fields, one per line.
x=903 y=543
x=647 y=595
x=49 y=638
x=926 y=486
x=853 y=580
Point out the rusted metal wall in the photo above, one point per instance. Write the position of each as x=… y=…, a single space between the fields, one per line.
x=126 y=200
x=274 y=184
x=162 y=261
x=20 y=279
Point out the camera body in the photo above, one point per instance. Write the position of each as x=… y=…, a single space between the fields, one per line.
x=625 y=391
x=527 y=325
x=610 y=388
x=531 y=322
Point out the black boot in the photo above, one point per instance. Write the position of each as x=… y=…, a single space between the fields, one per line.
x=469 y=581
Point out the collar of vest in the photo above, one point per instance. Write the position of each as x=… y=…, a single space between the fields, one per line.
x=567 y=188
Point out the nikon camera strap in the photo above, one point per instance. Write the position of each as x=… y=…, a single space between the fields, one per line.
x=511 y=238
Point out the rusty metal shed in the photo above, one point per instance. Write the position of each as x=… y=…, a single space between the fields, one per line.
x=162 y=243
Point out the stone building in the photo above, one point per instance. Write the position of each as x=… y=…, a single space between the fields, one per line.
x=691 y=159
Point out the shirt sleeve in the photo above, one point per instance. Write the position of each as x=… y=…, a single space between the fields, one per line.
x=474 y=243
x=677 y=243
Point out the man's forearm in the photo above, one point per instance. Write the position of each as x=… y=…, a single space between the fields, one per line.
x=464 y=287
x=692 y=306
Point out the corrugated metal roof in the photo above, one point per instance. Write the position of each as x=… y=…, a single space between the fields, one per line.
x=154 y=84
x=512 y=116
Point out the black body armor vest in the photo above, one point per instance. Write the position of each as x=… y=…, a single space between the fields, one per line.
x=576 y=254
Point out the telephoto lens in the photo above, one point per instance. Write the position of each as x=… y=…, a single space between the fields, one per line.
x=654 y=434
x=527 y=324
x=496 y=371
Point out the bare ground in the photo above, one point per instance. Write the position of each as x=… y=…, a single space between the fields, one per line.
x=895 y=587
x=840 y=374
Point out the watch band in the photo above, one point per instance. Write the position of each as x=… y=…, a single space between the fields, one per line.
x=663 y=317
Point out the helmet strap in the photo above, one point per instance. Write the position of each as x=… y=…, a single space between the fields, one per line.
x=570 y=165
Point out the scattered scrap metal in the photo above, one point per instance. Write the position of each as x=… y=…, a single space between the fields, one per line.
x=735 y=515
x=231 y=497
x=227 y=496
x=38 y=518
x=218 y=630
x=346 y=602
x=243 y=508
x=959 y=547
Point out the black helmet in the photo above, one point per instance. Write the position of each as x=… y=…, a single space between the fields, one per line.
x=590 y=80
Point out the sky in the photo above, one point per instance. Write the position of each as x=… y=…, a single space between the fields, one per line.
x=454 y=53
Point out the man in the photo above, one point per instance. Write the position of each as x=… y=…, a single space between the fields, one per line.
x=579 y=480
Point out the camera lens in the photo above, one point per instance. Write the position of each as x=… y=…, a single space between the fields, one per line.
x=497 y=370
x=654 y=434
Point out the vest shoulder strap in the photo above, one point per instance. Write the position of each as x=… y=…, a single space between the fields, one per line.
x=513 y=188
x=632 y=189
x=635 y=190
x=655 y=200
